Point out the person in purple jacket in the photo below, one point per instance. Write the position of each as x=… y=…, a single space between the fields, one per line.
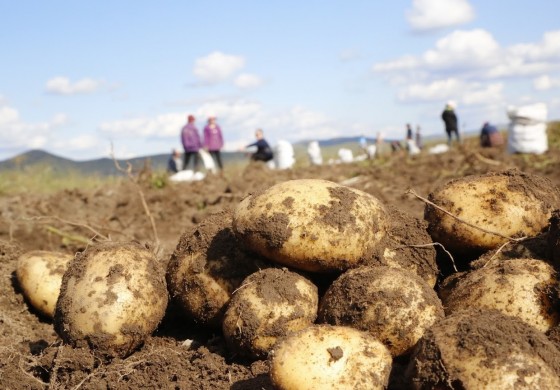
x=213 y=140
x=191 y=142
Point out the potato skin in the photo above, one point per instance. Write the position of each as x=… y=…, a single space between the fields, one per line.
x=112 y=297
x=522 y=288
x=510 y=203
x=206 y=267
x=484 y=349
x=39 y=274
x=330 y=357
x=311 y=224
x=394 y=305
x=269 y=304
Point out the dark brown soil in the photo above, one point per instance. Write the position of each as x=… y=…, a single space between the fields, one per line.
x=181 y=354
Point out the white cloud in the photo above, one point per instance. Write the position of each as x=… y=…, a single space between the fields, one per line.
x=434 y=14
x=468 y=93
x=15 y=134
x=545 y=82
x=248 y=81
x=63 y=86
x=79 y=143
x=217 y=67
x=161 y=126
x=463 y=49
x=8 y=115
x=476 y=55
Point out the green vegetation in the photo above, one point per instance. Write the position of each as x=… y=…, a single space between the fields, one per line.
x=44 y=179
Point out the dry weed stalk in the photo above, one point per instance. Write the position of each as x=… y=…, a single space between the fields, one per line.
x=431 y=244
x=128 y=172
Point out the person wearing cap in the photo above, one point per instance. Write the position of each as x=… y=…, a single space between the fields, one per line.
x=213 y=140
x=191 y=142
x=451 y=123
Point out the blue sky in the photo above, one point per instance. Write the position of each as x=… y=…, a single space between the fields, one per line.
x=78 y=77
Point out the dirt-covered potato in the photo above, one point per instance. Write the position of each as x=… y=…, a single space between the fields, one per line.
x=484 y=349
x=394 y=305
x=522 y=288
x=39 y=274
x=330 y=357
x=311 y=224
x=269 y=304
x=510 y=203
x=206 y=267
x=553 y=238
x=113 y=296
x=408 y=246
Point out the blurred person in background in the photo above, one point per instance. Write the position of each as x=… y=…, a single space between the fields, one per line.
x=451 y=123
x=214 y=141
x=264 y=152
x=175 y=163
x=191 y=142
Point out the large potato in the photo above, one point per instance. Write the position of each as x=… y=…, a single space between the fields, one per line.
x=510 y=203
x=408 y=246
x=112 y=297
x=269 y=304
x=206 y=267
x=522 y=288
x=394 y=305
x=330 y=357
x=484 y=349
x=313 y=225
x=39 y=274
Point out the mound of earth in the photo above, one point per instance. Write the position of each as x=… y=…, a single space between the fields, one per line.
x=179 y=354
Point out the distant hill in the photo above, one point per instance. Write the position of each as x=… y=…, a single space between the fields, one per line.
x=101 y=166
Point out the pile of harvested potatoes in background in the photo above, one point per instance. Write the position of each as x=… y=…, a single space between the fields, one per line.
x=335 y=290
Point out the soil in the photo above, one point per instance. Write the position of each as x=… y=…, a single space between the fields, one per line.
x=181 y=354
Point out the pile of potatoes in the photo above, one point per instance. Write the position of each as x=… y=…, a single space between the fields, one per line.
x=338 y=291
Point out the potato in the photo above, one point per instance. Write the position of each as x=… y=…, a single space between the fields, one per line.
x=39 y=274
x=206 y=267
x=329 y=357
x=394 y=305
x=522 y=288
x=407 y=246
x=484 y=349
x=269 y=304
x=510 y=203
x=312 y=225
x=553 y=238
x=113 y=296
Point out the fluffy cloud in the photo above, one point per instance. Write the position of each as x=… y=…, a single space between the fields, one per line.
x=248 y=81
x=476 y=54
x=469 y=94
x=17 y=135
x=545 y=82
x=238 y=119
x=161 y=126
x=63 y=86
x=79 y=143
x=434 y=14
x=217 y=67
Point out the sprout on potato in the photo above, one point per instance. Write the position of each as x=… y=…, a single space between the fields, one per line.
x=394 y=305
x=39 y=274
x=484 y=349
x=522 y=288
x=311 y=224
x=206 y=267
x=113 y=296
x=504 y=204
x=330 y=357
x=269 y=304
